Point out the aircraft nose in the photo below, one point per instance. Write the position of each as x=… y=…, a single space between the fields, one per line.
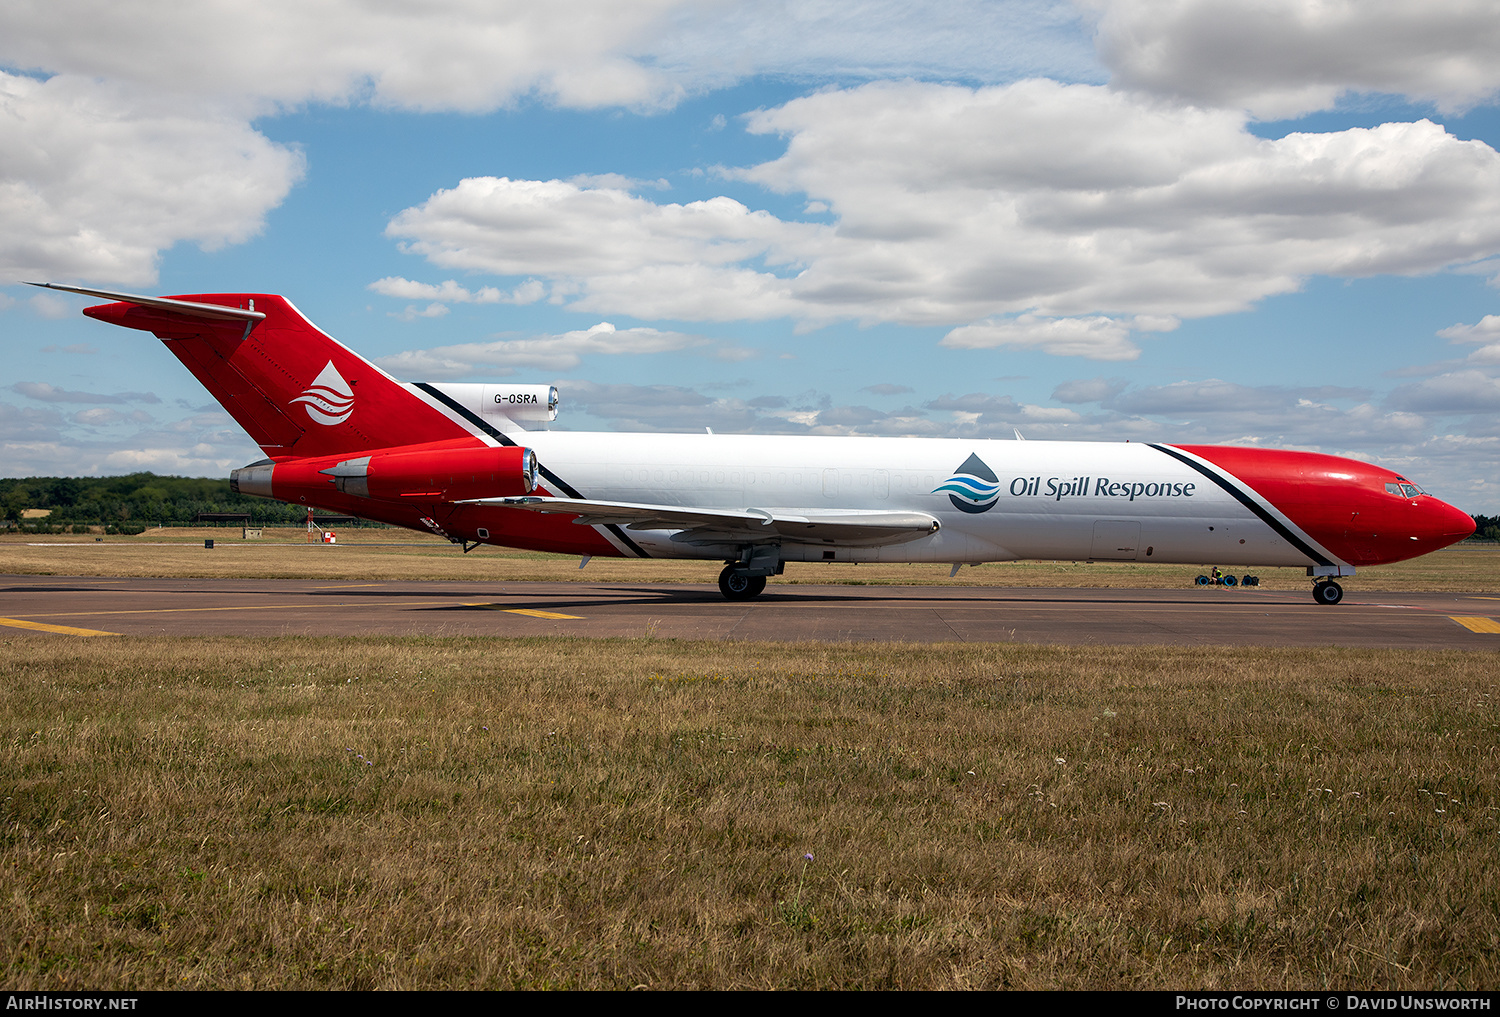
x=1451 y=523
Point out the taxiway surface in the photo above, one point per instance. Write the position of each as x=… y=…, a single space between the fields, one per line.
x=76 y=606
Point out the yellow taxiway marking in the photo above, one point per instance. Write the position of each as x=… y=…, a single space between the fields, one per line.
x=276 y=607
x=65 y=630
x=1477 y=624
x=346 y=586
x=527 y=611
x=199 y=610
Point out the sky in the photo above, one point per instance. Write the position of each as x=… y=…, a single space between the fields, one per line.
x=1258 y=222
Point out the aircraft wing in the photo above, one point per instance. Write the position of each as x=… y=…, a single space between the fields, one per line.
x=753 y=525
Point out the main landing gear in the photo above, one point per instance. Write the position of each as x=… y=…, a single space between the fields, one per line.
x=1327 y=591
x=736 y=585
x=745 y=576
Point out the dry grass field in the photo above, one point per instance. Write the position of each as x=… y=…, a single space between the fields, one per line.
x=388 y=554
x=455 y=813
x=387 y=813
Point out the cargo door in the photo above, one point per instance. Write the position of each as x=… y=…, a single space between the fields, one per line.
x=1116 y=540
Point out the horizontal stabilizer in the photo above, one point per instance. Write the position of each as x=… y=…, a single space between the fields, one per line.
x=188 y=308
x=753 y=525
x=295 y=389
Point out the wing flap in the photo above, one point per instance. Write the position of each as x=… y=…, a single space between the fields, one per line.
x=752 y=525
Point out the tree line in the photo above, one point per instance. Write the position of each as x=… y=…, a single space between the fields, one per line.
x=134 y=500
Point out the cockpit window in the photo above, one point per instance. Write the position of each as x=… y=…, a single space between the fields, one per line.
x=1410 y=490
x=1403 y=488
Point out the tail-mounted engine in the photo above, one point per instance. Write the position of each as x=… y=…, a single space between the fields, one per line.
x=432 y=472
x=522 y=404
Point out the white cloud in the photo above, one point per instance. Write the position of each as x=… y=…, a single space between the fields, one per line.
x=1282 y=58
x=674 y=408
x=136 y=134
x=27 y=425
x=959 y=206
x=1090 y=390
x=1068 y=200
x=549 y=353
x=47 y=393
x=1486 y=329
x=197 y=460
x=96 y=180
x=970 y=40
x=42 y=443
x=103 y=416
x=451 y=292
x=472 y=55
x=45 y=305
x=479 y=55
x=413 y=312
x=1097 y=338
x=132 y=85
x=1203 y=397
x=1456 y=392
x=607 y=247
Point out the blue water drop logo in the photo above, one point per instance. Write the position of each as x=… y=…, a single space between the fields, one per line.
x=973 y=488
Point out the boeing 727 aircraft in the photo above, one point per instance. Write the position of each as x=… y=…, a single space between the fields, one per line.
x=458 y=460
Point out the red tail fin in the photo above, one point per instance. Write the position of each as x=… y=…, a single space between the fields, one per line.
x=296 y=390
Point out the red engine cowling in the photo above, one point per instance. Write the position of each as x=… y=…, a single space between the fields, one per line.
x=434 y=472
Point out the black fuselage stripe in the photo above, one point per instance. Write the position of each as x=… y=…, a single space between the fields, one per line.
x=556 y=482
x=1250 y=503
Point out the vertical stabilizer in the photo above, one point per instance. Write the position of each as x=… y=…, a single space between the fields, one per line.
x=294 y=389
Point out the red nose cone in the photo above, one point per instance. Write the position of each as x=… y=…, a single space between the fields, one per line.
x=1348 y=507
x=1453 y=524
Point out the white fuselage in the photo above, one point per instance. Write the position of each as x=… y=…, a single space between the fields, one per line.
x=1056 y=500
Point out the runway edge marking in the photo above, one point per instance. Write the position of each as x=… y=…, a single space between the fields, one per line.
x=529 y=612
x=64 y=630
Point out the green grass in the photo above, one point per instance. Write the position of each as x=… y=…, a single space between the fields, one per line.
x=460 y=813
